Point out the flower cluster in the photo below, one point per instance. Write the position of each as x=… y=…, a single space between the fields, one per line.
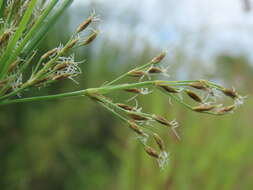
x=197 y=95
x=16 y=53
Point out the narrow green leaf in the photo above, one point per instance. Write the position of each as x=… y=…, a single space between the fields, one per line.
x=46 y=27
x=22 y=26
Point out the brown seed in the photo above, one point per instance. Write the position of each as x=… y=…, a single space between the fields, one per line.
x=61 y=77
x=13 y=66
x=226 y=109
x=90 y=38
x=159 y=141
x=158 y=58
x=161 y=120
x=5 y=37
x=154 y=70
x=230 y=92
x=72 y=44
x=49 y=53
x=136 y=73
x=193 y=95
x=85 y=24
x=152 y=152
x=133 y=90
x=167 y=88
x=135 y=127
x=203 y=108
x=61 y=66
x=136 y=116
x=125 y=107
x=198 y=85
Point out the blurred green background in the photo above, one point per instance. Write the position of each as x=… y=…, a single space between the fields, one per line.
x=76 y=144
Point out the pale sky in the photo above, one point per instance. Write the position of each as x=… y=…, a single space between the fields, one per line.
x=209 y=26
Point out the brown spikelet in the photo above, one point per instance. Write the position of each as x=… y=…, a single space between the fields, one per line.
x=85 y=24
x=203 y=108
x=137 y=117
x=61 y=66
x=136 y=73
x=90 y=38
x=49 y=53
x=167 y=88
x=71 y=44
x=226 y=109
x=133 y=90
x=154 y=70
x=198 y=85
x=161 y=120
x=14 y=65
x=158 y=58
x=159 y=141
x=5 y=37
x=125 y=107
x=152 y=152
x=193 y=95
x=135 y=127
x=61 y=77
x=230 y=92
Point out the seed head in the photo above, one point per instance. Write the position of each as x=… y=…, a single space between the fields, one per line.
x=167 y=88
x=125 y=107
x=136 y=128
x=90 y=38
x=5 y=37
x=162 y=120
x=61 y=66
x=159 y=141
x=133 y=90
x=230 y=92
x=85 y=24
x=14 y=65
x=152 y=152
x=193 y=95
x=136 y=73
x=137 y=116
x=198 y=85
x=71 y=44
x=154 y=70
x=226 y=109
x=158 y=58
x=49 y=53
x=61 y=76
x=203 y=108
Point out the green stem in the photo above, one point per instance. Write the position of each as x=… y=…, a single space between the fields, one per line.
x=108 y=89
x=49 y=97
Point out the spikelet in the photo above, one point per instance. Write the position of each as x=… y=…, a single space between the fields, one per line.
x=203 y=108
x=167 y=88
x=158 y=58
x=193 y=96
x=159 y=141
x=152 y=152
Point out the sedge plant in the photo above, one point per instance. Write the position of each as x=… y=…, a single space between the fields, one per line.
x=24 y=23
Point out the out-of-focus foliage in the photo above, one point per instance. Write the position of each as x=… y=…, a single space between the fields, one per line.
x=75 y=144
